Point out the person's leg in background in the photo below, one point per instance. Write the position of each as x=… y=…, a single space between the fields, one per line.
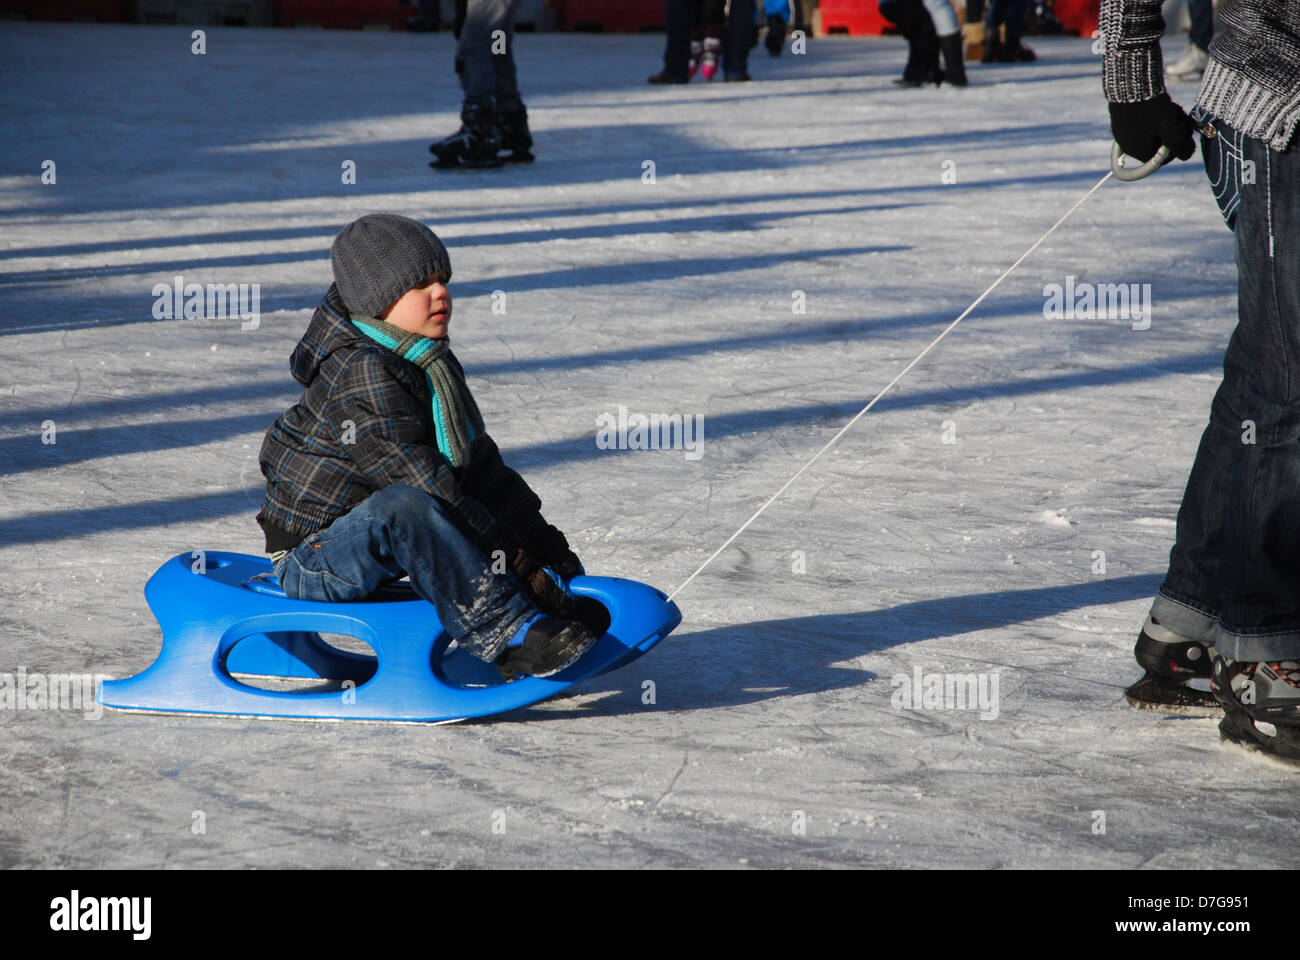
x=739 y=39
x=707 y=47
x=512 y=118
x=914 y=23
x=1012 y=50
x=679 y=18
x=944 y=16
x=478 y=140
x=1191 y=65
x=993 y=17
x=777 y=15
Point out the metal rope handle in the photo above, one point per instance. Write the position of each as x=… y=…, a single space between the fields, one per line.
x=1130 y=174
x=1162 y=156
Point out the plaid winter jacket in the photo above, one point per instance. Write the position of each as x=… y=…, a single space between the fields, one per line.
x=1252 y=81
x=364 y=423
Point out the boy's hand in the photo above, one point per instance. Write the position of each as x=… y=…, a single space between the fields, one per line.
x=551 y=549
x=544 y=591
x=548 y=595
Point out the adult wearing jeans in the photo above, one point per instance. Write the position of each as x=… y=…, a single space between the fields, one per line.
x=1230 y=604
x=493 y=116
x=1191 y=65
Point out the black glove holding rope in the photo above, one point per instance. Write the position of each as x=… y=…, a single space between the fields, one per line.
x=1142 y=128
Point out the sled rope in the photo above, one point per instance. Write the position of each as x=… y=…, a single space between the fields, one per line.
x=899 y=376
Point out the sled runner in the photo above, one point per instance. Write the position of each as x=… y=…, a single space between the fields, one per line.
x=226 y=621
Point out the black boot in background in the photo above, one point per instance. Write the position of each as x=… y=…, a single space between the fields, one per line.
x=475 y=144
x=512 y=125
x=954 y=68
x=992 y=46
x=1013 y=51
x=914 y=23
x=775 y=35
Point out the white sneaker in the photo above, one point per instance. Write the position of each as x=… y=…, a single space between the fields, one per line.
x=1191 y=65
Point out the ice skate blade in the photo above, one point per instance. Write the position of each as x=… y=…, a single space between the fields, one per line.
x=1231 y=730
x=1162 y=695
x=457 y=165
x=1182 y=710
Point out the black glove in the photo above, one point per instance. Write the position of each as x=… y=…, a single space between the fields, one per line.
x=543 y=590
x=551 y=598
x=550 y=548
x=1141 y=128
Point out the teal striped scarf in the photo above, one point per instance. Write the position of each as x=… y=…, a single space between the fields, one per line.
x=456 y=417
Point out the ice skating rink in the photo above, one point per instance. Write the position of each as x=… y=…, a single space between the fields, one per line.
x=1006 y=513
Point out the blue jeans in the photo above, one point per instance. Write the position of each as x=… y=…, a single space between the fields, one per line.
x=1201 y=13
x=1010 y=12
x=944 y=16
x=488 y=74
x=1234 y=571
x=401 y=531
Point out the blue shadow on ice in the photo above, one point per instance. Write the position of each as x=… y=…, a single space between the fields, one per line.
x=58 y=524
x=24 y=452
x=746 y=663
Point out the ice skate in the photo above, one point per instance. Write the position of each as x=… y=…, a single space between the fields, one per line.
x=710 y=57
x=512 y=127
x=1172 y=664
x=1261 y=706
x=1190 y=66
x=475 y=144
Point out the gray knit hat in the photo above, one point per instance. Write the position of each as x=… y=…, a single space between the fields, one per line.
x=380 y=256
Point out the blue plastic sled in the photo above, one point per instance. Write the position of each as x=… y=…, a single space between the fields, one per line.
x=233 y=620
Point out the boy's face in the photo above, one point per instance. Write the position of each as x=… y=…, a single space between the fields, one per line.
x=425 y=309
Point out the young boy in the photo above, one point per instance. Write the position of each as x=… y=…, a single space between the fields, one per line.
x=384 y=469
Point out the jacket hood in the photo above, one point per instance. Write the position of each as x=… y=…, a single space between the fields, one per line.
x=330 y=330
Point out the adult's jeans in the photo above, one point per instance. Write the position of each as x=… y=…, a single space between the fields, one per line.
x=944 y=16
x=1009 y=12
x=1201 y=14
x=488 y=74
x=1234 y=571
x=402 y=531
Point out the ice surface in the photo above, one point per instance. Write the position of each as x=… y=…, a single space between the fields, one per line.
x=776 y=694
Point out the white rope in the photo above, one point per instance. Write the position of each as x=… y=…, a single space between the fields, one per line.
x=902 y=373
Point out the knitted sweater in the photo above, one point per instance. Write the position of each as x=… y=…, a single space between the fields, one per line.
x=1253 y=79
